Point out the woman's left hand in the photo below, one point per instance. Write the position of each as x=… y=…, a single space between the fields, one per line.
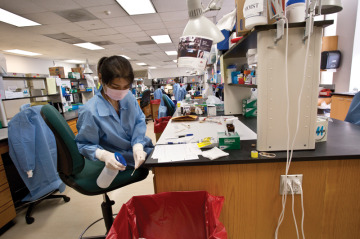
x=139 y=155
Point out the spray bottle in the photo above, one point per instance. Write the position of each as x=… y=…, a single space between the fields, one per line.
x=108 y=175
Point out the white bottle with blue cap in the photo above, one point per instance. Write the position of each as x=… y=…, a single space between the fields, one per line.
x=108 y=175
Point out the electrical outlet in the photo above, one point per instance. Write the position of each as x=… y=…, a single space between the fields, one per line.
x=294 y=180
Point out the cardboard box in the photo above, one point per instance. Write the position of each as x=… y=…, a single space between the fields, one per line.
x=80 y=70
x=240 y=20
x=231 y=141
x=57 y=71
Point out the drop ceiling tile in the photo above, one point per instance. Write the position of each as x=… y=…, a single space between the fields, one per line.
x=141 y=39
x=103 y=43
x=100 y=11
x=136 y=34
x=93 y=3
x=178 y=30
x=104 y=32
x=157 y=32
x=80 y=34
x=176 y=24
x=44 y=29
x=152 y=26
x=146 y=18
x=167 y=47
x=152 y=48
x=91 y=38
x=56 y=5
x=168 y=6
x=77 y=15
x=67 y=27
x=92 y=24
x=114 y=37
x=123 y=40
x=21 y=7
x=173 y=16
x=46 y=18
x=119 y=21
x=126 y=29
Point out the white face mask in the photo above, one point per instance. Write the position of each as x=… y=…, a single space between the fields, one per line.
x=116 y=94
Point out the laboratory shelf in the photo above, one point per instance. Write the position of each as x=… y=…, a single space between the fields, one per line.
x=28 y=97
x=244 y=85
x=249 y=41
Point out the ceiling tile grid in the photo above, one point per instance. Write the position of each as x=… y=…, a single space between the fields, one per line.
x=99 y=21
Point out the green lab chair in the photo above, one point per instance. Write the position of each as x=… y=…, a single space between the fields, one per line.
x=80 y=173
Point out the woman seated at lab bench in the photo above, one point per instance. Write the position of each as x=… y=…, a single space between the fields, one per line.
x=112 y=120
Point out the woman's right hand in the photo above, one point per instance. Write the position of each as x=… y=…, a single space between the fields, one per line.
x=109 y=159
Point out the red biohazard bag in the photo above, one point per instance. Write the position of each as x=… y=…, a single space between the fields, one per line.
x=160 y=124
x=168 y=215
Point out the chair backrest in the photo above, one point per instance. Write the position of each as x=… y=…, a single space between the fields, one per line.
x=145 y=99
x=169 y=105
x=70 y=161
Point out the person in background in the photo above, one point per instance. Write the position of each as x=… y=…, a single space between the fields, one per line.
x=112 y=120
x=176 y=88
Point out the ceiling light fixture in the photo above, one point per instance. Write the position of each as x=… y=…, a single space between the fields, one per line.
x=74 y=61
x=15 y=20
x=89 y=46
x=126 y=57
x=152 y=67
x=160 y=39
x=199 y=25
x=21 y=52
x=136 y=7
x=171 y=53
x=141 y=64
x=175 y=61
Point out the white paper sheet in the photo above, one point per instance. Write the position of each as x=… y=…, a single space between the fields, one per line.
x=175 y=153
x=203 y=130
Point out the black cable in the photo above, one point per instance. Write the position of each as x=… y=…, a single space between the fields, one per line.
x=92 y=224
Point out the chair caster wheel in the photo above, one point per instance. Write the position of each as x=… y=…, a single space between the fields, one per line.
x=29 y=220
x=66 y=199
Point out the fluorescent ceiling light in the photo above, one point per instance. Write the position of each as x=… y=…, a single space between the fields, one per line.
x=74 y=61
x=89 y=46
x=171 y=53
x=136 y=7
x=21 y=52
x=141 y=64
x=161 y=39
x=126 y=57
x=152 y=67
x=15 y=20
x=175 y=61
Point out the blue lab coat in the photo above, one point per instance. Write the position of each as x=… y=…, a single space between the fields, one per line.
x=32 y=146
x=158 y=94
x=353 y=115
x=99 y=126
x=176 y=88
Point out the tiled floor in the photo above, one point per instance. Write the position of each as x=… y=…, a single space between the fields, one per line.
x=56 y=219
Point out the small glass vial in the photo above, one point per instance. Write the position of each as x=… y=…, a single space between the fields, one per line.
x=230 y=126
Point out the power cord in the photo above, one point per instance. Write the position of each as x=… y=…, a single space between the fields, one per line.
x=298 y=183
x=293 y=210
x=284 y=196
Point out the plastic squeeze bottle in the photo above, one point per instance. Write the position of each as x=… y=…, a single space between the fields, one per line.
x=108 y=175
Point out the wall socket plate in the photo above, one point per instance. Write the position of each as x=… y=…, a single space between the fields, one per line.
x=291 y=178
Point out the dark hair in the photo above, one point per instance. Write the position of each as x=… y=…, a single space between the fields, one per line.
x=100 y=62
x=177 y=80
x=115 y=67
